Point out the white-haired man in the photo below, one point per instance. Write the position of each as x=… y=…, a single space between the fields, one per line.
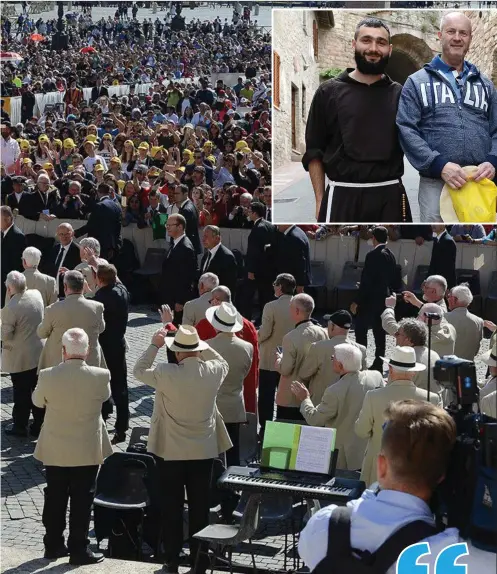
x=434 y=289
x=21 y=349
x=63 y=257
x=402 y=367
x=89 y=247
x=341 y=403
x=45 y=284
x=490 y=359
x=194 y=310
x=295 y=346
x=73 y=443
x=469 y=327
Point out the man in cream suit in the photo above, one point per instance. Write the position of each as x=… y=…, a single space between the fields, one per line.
x=276 y=323
x=342 y=403
x=73 y=311
x=45 y=284
x=401 y=371
x=434 y=289
x=317 y=371
x=194 y=310
x=21 y=349
x=186 y=431
x=469 y=327
x=296 y=345
x=490 y=359
x=488 y=404
x=73 y=443
x=238 y=353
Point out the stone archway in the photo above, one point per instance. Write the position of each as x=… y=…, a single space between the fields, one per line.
x=409 y=55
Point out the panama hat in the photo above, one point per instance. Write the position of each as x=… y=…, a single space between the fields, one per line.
x=490 y=357
x=224 y=318
x=186 y=340
x=404 y=359
x=447 y=211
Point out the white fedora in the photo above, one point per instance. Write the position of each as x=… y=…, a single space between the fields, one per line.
x=490 y=357
x=224 y=318
x=186 y=340
x=404 y=359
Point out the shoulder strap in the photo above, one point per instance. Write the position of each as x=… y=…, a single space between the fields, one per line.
x=339 y=530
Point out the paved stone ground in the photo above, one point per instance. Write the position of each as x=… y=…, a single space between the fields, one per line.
x=23 y=479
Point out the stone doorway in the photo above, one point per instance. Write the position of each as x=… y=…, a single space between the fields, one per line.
x=409 y=55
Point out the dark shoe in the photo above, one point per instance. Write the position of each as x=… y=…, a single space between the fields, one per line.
x=53 y=554
x=15 y=431
x=118 y=437
x=169 y=569
x=34 y=431
x=87 y=557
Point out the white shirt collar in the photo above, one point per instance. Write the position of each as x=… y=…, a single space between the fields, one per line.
x=7 y=230
x=66 y=247
x=213 y=251
x=184 y=202
x=287 y=231
x=178 y=239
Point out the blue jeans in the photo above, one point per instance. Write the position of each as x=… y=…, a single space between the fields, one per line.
x=430 y=191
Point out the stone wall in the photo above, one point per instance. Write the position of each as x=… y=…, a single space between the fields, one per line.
x=483 y=51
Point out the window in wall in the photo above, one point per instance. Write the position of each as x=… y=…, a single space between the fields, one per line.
x=276 y=79
x=303 y=102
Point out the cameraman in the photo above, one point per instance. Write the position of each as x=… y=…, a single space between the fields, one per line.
x=416 y=444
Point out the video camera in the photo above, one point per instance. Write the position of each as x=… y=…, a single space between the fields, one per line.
x=467 y=498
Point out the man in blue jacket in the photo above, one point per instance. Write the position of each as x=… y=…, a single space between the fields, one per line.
x=447 y=118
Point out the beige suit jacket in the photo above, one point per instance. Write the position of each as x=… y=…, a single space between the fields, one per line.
x=489 y=387
x=73 y=432
x=369 y=424
x=87 y=272
x=339 y=409
x=21 y=346
x=276 y=323
x=421 y=378
x=238 y=355
x=488 y=404
x=185 y=423
x=194 y=310
x=45 y=284
x=296 y=345
x=317 y=369
x=469 y=329
x=73 y=311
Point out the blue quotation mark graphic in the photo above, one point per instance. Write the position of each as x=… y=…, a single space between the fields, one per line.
x=444 y=564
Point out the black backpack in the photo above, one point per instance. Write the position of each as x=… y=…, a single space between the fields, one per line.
x=341 y=557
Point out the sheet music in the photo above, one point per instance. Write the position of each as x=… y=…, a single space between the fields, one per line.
x=316 y=446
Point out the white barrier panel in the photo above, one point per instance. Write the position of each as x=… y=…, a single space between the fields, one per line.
x=15 y=110
x=334 y=250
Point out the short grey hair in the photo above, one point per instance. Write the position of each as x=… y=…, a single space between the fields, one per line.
x=431 y=308
x=209 y=280
x=350 y=356
x=43 y=177
x=74 y=281
x=304 y=302
x=463 y=294
x=76 y=342
x=214 y=229
x=415 y=331
x=75 y=183
x=439 y=282
x=222 y=293
x=246 y=195
x=16 y=281
x=443 y=19
x=91 y=243
x=31 y=256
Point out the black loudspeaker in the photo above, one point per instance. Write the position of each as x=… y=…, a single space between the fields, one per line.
x=60 y=42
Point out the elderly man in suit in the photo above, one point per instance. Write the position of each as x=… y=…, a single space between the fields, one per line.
x=186 y=435
x=341 y=403
x=73 y=311
x=434 y=289
x=276 y=323
x=194 y=310
x=73 y=443
x=62 y=257
x=490 y=359
x=13 y=244
x=45 y=284
x=443 y=255
x=21 y=350
x=369 y=425
x=317 y=371
x=238 y=353
x=293 y=254
x=89 y=247
x=295 y=346
x=469 y=327
x=218 y=259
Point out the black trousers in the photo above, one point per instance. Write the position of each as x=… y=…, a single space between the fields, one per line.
x=289 y=414
x=78 y=484
x=265 y=293
x=268 y=383
x=115 y=357
x=24 y=384
x=233 y=454
x=371 y=319
x=195 y=475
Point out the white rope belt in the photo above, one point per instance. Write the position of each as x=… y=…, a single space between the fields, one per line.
x=334 y=184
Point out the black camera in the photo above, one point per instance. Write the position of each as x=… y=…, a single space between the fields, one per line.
x=459 y=376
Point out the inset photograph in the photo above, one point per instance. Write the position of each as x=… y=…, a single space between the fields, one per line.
x=386 y=116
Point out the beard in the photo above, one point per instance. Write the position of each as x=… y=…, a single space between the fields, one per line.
x=371 y=68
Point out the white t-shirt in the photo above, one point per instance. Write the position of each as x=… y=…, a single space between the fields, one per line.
x=89 y=162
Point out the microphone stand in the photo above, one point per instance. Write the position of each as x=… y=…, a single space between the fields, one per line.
x=430 y=324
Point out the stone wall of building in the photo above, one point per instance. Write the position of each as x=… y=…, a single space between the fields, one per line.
x=483 y=51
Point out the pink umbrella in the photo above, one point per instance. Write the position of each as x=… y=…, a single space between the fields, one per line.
x=10 y=57
x=36 y=37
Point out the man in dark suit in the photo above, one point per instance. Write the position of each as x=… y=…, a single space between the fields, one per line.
x=187 y=209
x=41 y=204
x=115 y=298
x=98 y=91
x=104 y=224
x=443 y=255
x=63 y=256
x=179 y=269
x=18 y=195
x=259 y=260
x=379 y=279
x=13 y=244
x=218 y=259
x=293 y=255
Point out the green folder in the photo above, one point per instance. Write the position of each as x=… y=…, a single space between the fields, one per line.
x=159 y=225
x=281 y=441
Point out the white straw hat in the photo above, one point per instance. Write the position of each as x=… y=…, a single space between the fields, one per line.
x=224 y=318
x=186 y=340
x=404 y=359
x=490 y=357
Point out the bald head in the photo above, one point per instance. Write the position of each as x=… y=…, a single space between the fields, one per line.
x=65 y=233
x=455 y=38
x=454 y=19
